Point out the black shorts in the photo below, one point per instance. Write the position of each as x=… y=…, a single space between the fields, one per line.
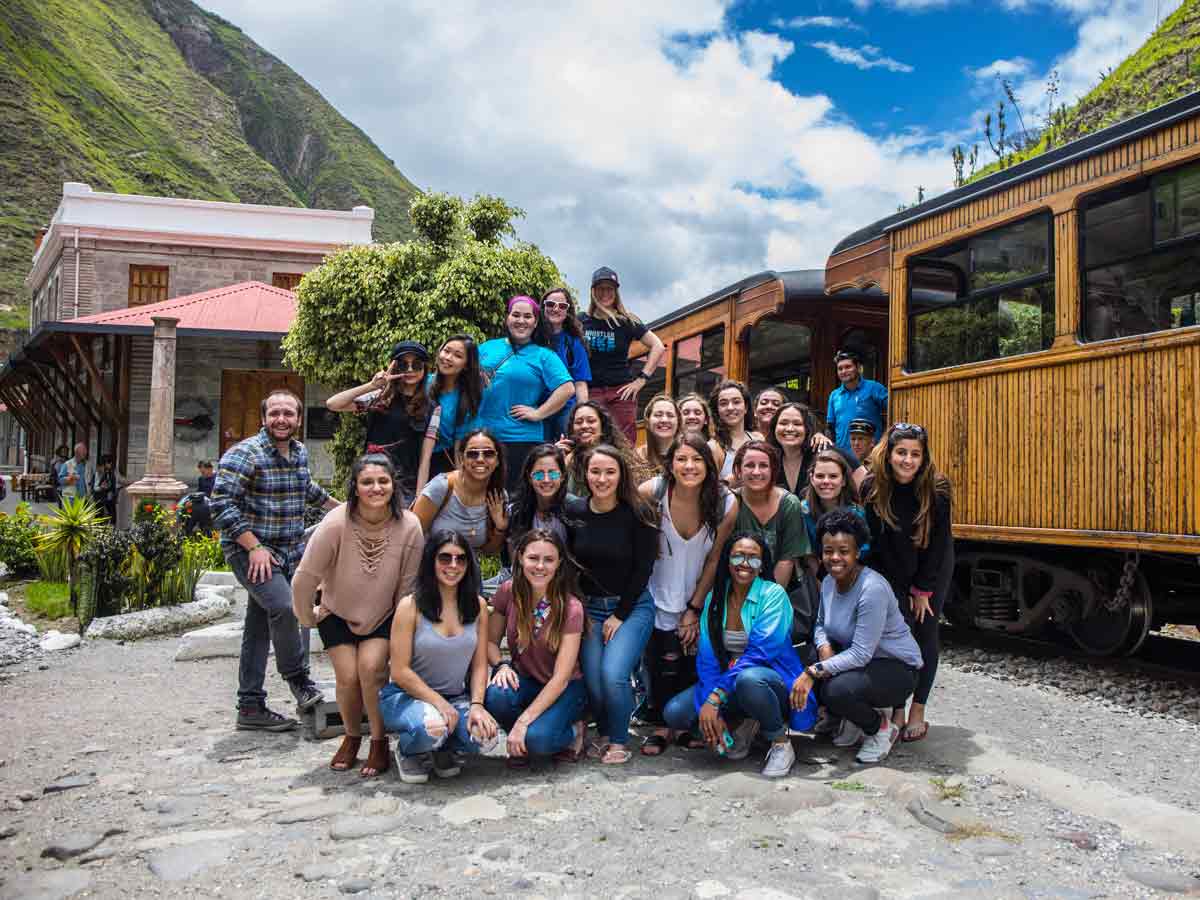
x=334 y=631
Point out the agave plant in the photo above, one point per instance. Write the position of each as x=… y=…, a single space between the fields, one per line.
x=68 y=530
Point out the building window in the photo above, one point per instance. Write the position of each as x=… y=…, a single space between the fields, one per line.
x=147 y=284
x=1141 y=251
x=781 y=357
x=699 y=363
x=289 y=281
x=988 y=297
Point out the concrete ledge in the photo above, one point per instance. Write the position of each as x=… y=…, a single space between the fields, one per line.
x=219 y=579
x=162 y=620
x=224 y=640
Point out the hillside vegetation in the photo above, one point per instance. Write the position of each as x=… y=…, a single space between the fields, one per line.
x=160 y=97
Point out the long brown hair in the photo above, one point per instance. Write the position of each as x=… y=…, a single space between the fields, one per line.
x=723 y=436
x=712 y=492
x=609 y=434
x=928 y=485
x=417 y=405
x=655 y=460
x=563 y=585
x=849 y=494
x=627 y=484
x=708 y=415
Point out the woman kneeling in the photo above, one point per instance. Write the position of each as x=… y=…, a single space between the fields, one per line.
x=539 y=696
x=868 y=657
x=746 y=662
x=434 y=702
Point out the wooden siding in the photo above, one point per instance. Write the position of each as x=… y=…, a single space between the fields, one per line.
x=859 y=267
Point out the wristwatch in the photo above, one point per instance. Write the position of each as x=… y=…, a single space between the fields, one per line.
x=817 y=671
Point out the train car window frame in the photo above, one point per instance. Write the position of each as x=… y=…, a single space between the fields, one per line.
x=712 y=334
x=1176 y=307
x=987 y=342
x=655 y=384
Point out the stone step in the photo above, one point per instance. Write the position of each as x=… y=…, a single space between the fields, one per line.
x=324 y=720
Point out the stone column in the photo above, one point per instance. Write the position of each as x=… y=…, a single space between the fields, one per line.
x=159 y=482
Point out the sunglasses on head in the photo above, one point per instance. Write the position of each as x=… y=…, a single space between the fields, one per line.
x=452 y=559
x=410 y=365
x=555 y=304
x=488 y=453
x=908 y=430
x=542 y=475
x=741 y=559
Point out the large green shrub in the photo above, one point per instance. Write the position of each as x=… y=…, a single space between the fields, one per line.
x=18 y=536
x=105 y=579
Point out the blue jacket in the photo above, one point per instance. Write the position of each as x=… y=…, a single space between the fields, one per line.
x=767 y=617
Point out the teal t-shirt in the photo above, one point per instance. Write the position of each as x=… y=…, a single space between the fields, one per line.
x=448 y=431
x=524 y=377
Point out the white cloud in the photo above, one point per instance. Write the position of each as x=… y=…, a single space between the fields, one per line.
x=645 y=137
x=1002 y=68
x=817 y=22
x=867 y=56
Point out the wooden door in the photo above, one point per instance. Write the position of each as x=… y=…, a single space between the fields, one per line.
x=242 y=393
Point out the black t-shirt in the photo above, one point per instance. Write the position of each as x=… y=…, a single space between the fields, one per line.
x=615 y=551
x=398 y=434
x=608 y=348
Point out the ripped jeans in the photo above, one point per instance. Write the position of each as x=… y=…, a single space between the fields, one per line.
x=420 y=728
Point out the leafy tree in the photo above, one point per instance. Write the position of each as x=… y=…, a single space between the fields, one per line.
x=455 y=276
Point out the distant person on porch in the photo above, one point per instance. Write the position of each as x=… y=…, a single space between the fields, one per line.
x=263 y=486
x=856 y=398
x=105 y=484
x=73 y=473
x=206 y=477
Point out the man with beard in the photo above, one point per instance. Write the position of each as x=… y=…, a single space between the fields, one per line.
x=258 y=501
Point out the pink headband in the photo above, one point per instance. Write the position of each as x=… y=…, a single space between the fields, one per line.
x=537 y=310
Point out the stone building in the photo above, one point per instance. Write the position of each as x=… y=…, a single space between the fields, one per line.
x=106 y=264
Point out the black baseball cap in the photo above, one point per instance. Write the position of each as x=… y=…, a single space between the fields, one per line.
x=414 y=347
x=862 y=426
x=604 y=273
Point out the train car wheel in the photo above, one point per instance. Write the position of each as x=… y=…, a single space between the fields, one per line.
x=1116 y=629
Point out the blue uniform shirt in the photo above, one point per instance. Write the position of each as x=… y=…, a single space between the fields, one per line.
x=527 y=376
x=867 y=401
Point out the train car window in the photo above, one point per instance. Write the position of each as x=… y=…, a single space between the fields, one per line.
x=989 y=297
x=1142 y=256
x=657 y=384
x=699 y=363
x=781 y=356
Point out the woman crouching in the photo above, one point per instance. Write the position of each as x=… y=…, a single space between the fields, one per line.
x=868 y=657
x=746 y=662
x=434 y=702
x=539 y=696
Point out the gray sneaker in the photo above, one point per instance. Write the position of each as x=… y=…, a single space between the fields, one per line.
x=447 y=764
x=827 y=723
x=848 y=735
x=259 y=718
x=780 y=759
x=307 y=694
x=415 y=769
x=743 y=736
x=877 y=746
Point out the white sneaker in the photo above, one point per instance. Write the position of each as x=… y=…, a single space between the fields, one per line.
x=743 y=736
x=447 y=764
x=877 y=746
x=849 y=735
x=415 y=769
x=780 y=759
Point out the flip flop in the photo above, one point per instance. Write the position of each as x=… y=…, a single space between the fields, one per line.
x=655 y=745
x=616 y=755
x=914 y=733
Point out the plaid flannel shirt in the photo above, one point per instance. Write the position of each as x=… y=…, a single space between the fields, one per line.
x=260 y=491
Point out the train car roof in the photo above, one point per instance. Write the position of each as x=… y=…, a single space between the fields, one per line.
x=797 y=284
x=1122 y=131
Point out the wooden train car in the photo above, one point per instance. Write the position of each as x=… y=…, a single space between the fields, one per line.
x=1043 y=326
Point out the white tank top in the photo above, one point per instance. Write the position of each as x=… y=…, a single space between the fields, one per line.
x=679 y=564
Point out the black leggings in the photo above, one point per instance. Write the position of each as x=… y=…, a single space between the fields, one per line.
x=671 y=671
x=857 y=694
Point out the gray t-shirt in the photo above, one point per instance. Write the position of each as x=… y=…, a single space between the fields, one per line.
x=866 y=622
x=469 y=521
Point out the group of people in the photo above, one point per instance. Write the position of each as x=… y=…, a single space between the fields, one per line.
x=751 y=571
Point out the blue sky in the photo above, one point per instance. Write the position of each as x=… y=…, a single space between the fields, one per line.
x=688 y=143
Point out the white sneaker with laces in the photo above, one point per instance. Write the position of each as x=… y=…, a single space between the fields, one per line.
x=743 y=736
x=848 y=735
x=780 y=759
x=877 y=746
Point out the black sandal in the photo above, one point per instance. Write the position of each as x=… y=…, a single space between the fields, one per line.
x=655 y=745
x=689 y=741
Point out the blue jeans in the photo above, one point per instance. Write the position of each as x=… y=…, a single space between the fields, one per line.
x=550 y=732
x=269 y=620
x=759 y=693
x=607 y=668
x=408 y=718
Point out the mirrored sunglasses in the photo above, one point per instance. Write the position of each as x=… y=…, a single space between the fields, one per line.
x=741 y=559
x=452 y=559
x=553 y=475
x=480 y=454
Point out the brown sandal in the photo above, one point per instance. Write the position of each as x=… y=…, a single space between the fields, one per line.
x=347 y=754
x=378 y=759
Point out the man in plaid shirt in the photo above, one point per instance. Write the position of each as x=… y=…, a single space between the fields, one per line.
x=258 y=502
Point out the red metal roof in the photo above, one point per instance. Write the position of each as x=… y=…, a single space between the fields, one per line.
x=247 y=307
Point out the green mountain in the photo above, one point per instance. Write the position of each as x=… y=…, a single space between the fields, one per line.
x=162 y=97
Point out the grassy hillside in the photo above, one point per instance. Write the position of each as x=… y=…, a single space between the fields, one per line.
x=1166 y=67
x=100 y=92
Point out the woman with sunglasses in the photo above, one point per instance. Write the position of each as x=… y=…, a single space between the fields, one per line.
x=867 y=659
x=527 y=385
x=589 y=425
x=439 y=642
x=609 y=329
x=908 y=510
x=731 y=402
x=559 y=329
x=539 y=696
x=364 y=556
x=614 y=538
x=397 y=411
x=697 y=513
x=662 y=427
x=455 y=393
x=541 y=496
x=746 y=663
x=470 y=500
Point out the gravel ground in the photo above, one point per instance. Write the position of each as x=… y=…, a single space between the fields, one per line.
x=203 y=810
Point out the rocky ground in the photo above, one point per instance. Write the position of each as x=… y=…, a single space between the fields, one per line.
x=121 y=776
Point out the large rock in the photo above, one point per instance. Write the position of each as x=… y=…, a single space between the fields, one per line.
x=55 y=640
x=219 y=579
x=181 y=863
x=76 y=844
x=224 y=640
x=473 y=809
x=53 y=885
x=161 y=620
